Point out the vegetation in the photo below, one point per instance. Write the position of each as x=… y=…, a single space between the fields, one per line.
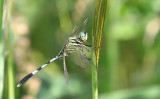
x=33 y=32
x=99 y=19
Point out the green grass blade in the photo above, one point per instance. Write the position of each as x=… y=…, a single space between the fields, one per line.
x=99 y=19
x=11 y=77
x=9 y=85
x=1 y=49
x=1 y=15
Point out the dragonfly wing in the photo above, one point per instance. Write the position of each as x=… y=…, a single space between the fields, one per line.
x=65 y=70
x=80 y=58
x=80 y=28
x=75 y=28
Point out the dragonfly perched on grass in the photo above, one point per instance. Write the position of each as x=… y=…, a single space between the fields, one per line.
x=75 y=43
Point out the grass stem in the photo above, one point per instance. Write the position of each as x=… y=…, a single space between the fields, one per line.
x=99 y=19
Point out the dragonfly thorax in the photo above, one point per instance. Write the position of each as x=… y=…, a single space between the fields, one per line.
x=83 y=36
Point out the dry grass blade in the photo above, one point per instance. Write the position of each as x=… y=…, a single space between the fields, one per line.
x=99 y=19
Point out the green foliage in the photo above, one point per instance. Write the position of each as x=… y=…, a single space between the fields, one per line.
x=8 y=70
x=128 y=58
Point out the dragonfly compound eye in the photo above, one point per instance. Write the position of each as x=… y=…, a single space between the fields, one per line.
x=83 y=36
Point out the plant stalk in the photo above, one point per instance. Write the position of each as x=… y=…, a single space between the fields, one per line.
x=99 y=18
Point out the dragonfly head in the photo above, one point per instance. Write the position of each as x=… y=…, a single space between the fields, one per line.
x=83 y=36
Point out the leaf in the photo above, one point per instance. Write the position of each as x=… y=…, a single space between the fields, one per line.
x=99 y=19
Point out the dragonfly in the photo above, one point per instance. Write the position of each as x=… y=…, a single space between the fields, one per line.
x=74 y=43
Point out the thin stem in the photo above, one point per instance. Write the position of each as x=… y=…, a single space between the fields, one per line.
x=94 y=82
x=99 y=19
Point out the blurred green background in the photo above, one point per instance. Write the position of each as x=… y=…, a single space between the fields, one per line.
x=129 y=65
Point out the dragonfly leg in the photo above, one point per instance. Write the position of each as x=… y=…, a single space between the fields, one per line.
x=83 y=56
x=97 y=48
x=87 y=45
x=87 y=48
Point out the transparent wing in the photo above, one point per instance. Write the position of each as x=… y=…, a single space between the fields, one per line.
x=65 y=70
x=81 y=58
x=80 y=28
